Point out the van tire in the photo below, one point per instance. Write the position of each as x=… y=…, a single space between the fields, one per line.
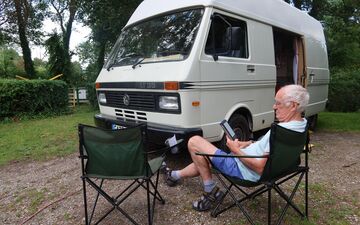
x=241 y=127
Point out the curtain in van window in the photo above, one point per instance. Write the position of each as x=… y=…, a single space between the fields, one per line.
x=295 y=62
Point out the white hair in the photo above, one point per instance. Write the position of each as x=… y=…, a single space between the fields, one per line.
x=298 y=94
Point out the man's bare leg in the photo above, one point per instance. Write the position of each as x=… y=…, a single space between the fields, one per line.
x=199 y=144
x=200 y=165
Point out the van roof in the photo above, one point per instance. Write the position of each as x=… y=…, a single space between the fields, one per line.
x=275 y=12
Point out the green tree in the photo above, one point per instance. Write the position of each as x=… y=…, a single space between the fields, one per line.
x=87 y=53
x=20 y=22
x=342 y=30
x=41 y=70
x=56 y=52
x=64 y=13
x=106 y=18
x=11 y=63
x=21 y=8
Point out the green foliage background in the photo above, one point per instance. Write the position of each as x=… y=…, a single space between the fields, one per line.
x=344 y=91
x=33 y=97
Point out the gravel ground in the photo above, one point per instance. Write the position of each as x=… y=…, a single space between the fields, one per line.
x=50 y=192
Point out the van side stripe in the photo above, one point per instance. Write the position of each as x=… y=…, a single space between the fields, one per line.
x=134 y=85
x=228 y=84
x=189 y=85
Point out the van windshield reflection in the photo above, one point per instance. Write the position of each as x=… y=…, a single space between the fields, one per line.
x=164 y=38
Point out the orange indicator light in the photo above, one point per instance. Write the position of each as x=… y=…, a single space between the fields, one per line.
x=195 y=103
x=171 y=85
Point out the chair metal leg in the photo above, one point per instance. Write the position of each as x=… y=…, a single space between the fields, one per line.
x=237 y=203
x=111 y=200
x=85 y=200
x=148 y=202
x=306 y=193
x=269 y=205
x=156 y=193
x=95 y=202
x=289 y=199
x=127 y=188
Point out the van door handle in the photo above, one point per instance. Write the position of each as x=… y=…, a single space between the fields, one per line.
x=250 y=68
x=312 y=77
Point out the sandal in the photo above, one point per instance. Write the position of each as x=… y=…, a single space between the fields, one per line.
x=170 y=181
x=207 y=200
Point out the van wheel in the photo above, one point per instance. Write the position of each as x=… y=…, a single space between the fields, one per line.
x=241 y=128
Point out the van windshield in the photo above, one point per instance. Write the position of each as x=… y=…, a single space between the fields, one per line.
x=164 y=38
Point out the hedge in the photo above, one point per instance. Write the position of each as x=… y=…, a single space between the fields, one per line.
x=33 y=97
x=344 y=91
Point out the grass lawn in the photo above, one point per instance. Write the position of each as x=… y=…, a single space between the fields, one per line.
x=330 y=121
x=41 y=139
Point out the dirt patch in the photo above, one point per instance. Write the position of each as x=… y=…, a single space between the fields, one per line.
x=50 y=192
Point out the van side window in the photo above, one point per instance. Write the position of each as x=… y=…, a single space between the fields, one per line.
x=227 y=37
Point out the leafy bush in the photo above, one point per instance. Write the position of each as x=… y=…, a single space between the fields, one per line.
x=91 y=91
x=344 y=91
x=34 y=97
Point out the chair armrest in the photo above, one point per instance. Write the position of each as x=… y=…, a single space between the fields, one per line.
x=232 y=156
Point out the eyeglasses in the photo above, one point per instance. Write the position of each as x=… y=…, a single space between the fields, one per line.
x=278 y=103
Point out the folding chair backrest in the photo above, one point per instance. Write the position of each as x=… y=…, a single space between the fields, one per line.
x=286 y=147
x=113 y=154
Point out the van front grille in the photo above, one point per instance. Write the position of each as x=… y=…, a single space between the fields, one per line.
x=131 y=100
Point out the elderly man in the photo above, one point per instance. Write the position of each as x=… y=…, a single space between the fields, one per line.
x=290 y=102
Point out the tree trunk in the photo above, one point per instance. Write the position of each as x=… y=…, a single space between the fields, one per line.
x=24 y=43
x=66 y=41
x=101 y=56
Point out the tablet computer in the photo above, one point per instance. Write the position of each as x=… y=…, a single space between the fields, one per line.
x=228 y=130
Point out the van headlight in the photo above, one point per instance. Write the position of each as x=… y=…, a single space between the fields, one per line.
x=102 y=98
x=169 y=102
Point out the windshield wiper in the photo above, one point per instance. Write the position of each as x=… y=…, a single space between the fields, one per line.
x=138 y=62
x=111 y=65
x=127 y=56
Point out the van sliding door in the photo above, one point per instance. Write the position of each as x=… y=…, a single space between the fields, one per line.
x=289 y=58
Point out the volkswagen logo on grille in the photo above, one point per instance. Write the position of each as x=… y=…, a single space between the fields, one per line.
x=126 y=99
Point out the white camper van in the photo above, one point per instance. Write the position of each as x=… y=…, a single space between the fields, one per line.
x=184 y=66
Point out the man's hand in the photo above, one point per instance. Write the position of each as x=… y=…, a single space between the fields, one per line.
x=233 y=145
x=236 y=145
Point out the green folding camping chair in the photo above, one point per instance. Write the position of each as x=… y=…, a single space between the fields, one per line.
x=118 y=155
x=283 y=164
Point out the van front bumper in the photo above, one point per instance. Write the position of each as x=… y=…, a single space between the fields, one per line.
x=156 y=133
